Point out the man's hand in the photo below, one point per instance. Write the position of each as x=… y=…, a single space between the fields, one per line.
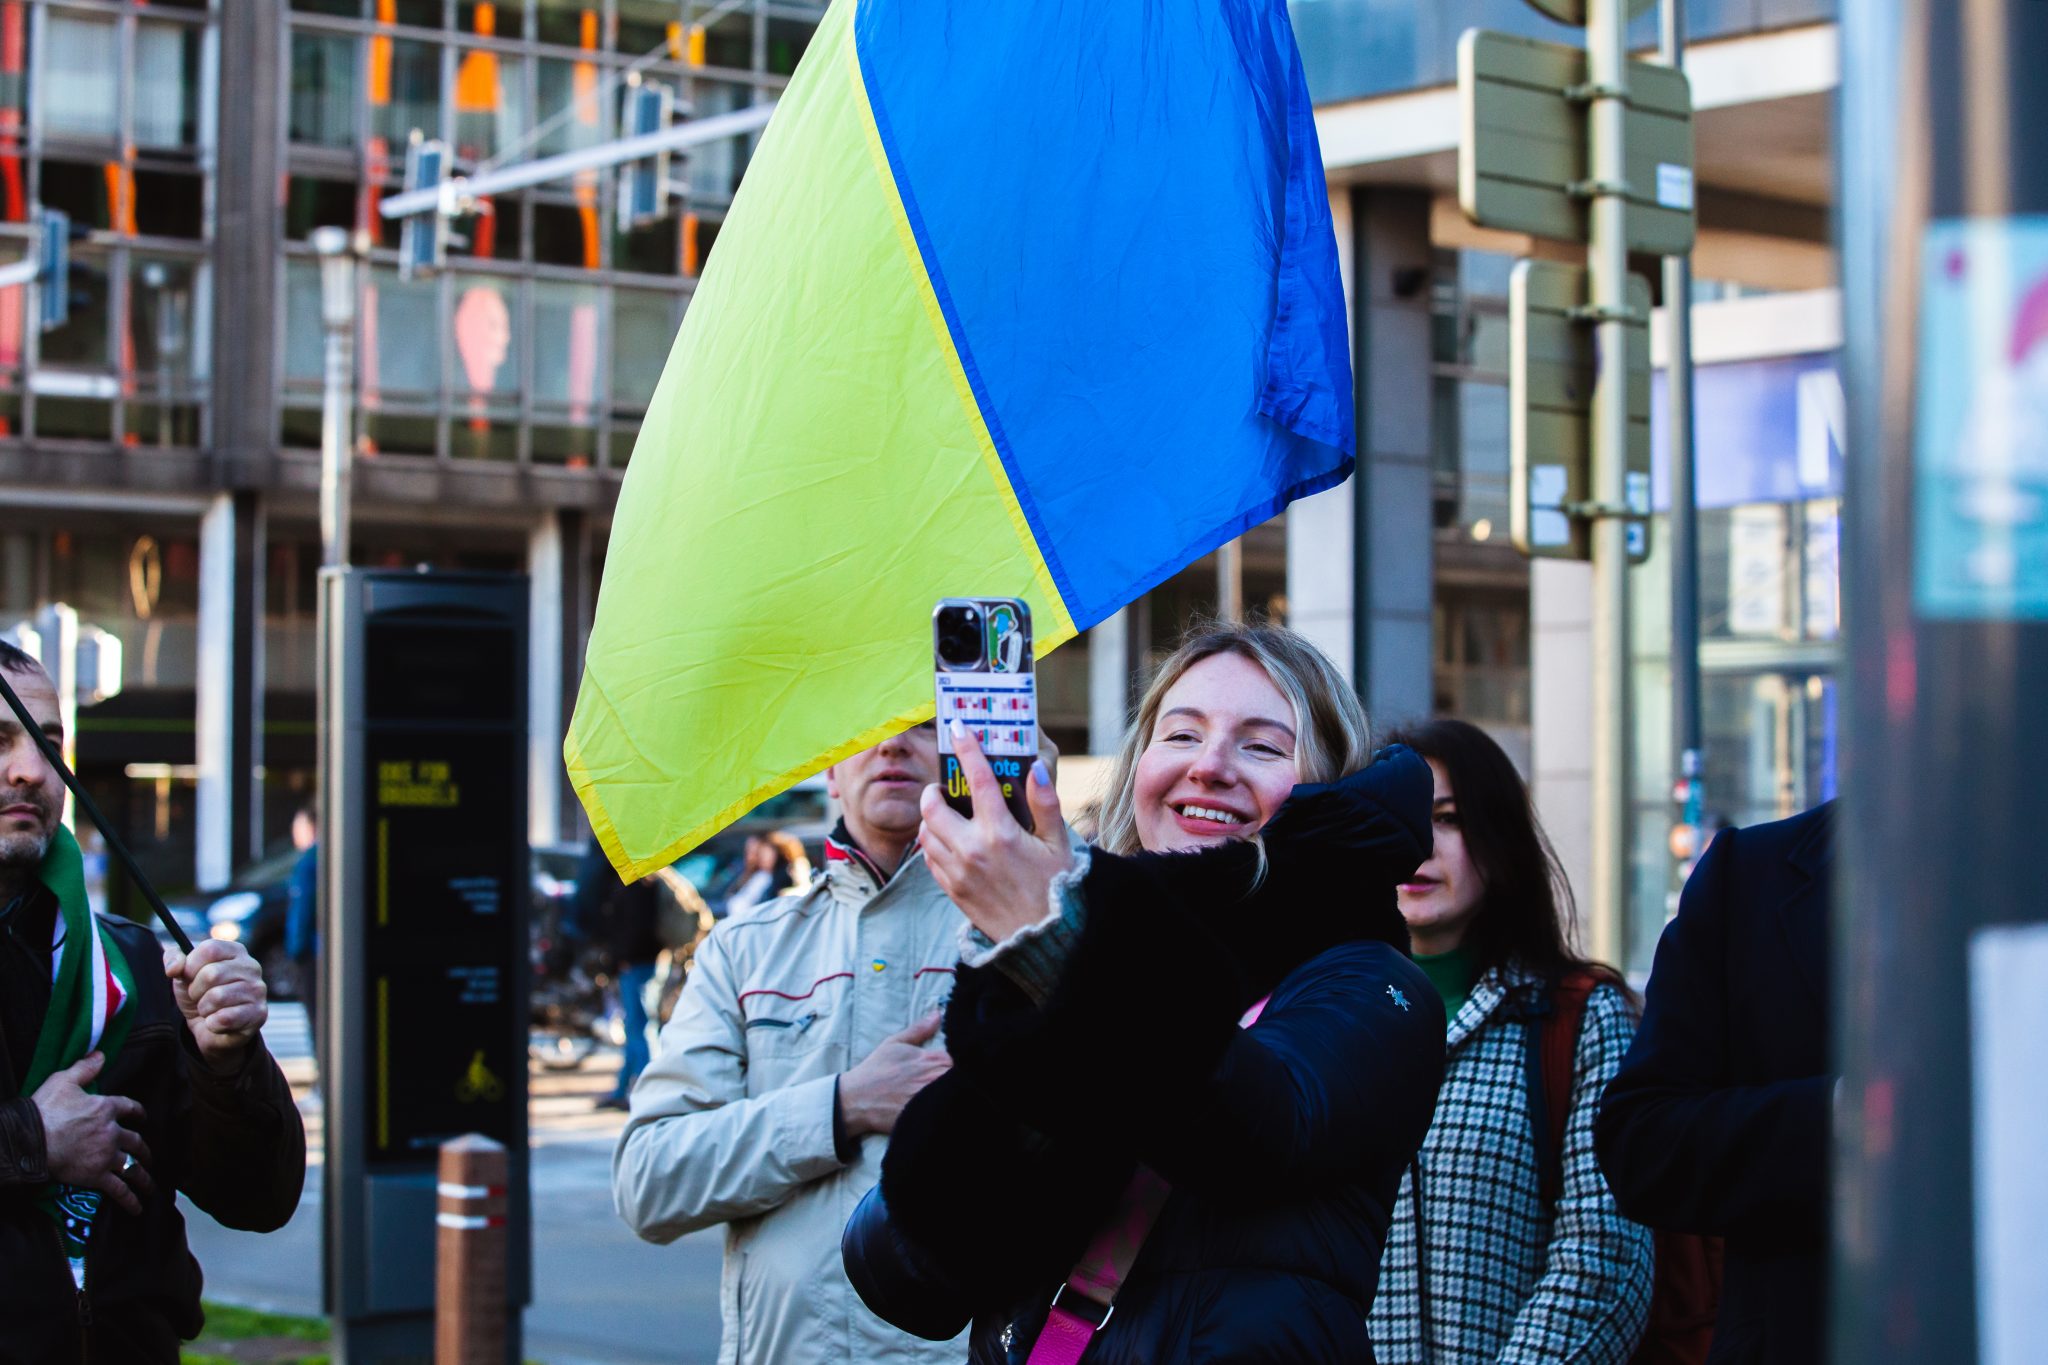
x=221 y=994
x=88 y=1140
x=874 y=1092
x=997 y=872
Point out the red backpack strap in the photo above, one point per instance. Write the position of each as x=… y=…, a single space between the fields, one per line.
x=1553 y=1045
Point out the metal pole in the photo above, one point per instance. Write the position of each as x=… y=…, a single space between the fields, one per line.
x=1687 y=740
x=1607 y=265
x=335 y=471
x=1941 y=927
x=338 y=257
x=690 y=133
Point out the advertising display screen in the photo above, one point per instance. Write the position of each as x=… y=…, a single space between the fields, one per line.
x=444 y=767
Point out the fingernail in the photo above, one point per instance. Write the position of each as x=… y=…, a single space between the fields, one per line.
x=1041 y=774
x=956 y=731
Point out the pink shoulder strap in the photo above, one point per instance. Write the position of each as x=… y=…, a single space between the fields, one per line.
x=1082 y=1306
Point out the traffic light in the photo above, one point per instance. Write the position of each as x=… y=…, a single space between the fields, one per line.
x=53 y=269
x=643 y=184
x=423 y=238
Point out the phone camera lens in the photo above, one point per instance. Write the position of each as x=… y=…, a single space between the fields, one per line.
x=960 y=637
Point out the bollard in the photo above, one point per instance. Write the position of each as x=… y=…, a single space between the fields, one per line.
x=469 y=1276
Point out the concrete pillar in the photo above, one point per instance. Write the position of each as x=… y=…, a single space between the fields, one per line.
x=249 y=224
x=1110 y=681
x=558 y=563
x=1360 y=558
x=229 y=717
x=1320 y=575
x=1561 y=714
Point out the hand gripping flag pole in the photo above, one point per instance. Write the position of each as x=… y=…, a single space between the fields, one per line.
x=92 y=812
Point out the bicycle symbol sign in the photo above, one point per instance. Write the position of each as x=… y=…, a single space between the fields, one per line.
x=479 y=1083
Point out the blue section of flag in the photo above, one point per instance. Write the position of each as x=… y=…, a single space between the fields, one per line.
x=1123 y=214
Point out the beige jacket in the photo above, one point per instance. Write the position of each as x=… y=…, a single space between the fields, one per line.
x=732 y=1121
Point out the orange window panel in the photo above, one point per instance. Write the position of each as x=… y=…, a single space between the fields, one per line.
x=120 y=197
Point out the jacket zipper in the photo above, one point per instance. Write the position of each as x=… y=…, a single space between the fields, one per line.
x=84 y=1301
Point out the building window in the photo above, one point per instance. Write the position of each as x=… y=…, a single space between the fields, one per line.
x=313 y=201
x=644 y=25
x=491 y=18
x=405 y=90
x=643 y=327
x=323 y=90
x=489 y=100
x=81 y=343
x=545 y=339
x=570 y=93
x=167 y=202
x=167 y=85
x=400 y=334
x=565 y=349
x=1482 y=648
x=566 y=23
x=80 y=87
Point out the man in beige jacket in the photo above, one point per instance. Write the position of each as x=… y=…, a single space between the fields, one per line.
x=805 y=1026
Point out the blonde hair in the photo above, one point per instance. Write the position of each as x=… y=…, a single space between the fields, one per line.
x=1332 y=735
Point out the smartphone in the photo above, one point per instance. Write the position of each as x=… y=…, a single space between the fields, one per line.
x=981 y=659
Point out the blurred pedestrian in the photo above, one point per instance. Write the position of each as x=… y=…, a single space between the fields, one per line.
x=1523 y=1255
x=792 y=864
x=631 y=924
x=1206 y=1191
x=774 y=862
x=129 y=1075
x=302 y=921
x=804 y=1026
x=1718 y=1122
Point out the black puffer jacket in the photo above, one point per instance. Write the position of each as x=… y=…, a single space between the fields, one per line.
x=1284 y=1144
x=233 y=1144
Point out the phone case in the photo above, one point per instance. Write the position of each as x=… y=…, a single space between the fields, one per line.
x=997 y=698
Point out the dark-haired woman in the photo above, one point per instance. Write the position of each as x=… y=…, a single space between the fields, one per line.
x=1520 y=1264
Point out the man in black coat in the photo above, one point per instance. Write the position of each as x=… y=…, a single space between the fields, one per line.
x=128 y=1076
x=1718 y=1121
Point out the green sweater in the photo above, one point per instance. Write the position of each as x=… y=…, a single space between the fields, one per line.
x=1452 y=975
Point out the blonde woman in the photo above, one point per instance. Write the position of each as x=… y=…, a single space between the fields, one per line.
x=1204 y=1035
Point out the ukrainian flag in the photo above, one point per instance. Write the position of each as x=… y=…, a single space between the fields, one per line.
x=1030 y=298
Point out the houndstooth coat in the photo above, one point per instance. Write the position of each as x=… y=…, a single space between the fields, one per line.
x=1508 y=1282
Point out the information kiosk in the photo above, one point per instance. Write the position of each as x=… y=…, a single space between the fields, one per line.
x=424 y=879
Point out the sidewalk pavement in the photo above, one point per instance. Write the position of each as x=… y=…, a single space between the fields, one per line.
x=601 y=1295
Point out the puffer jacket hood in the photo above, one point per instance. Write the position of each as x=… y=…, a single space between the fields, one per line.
x=1284 y=1144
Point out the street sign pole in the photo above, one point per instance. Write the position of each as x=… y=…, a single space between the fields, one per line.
x=1688 y=742
x=1607 y=266
x=1548 y=135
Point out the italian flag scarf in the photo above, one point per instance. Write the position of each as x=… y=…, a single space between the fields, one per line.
x=89 y=984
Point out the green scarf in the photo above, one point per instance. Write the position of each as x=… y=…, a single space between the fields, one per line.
x=90 y=984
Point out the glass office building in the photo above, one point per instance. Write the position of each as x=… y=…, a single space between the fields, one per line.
x=159 y=450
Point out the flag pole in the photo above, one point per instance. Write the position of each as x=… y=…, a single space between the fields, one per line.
x=92 y=812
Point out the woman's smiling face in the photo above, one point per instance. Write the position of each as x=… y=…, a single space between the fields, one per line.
x=1220 y=760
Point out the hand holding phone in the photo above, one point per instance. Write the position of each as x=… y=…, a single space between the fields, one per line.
x=997 y=871
x=982 y=666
